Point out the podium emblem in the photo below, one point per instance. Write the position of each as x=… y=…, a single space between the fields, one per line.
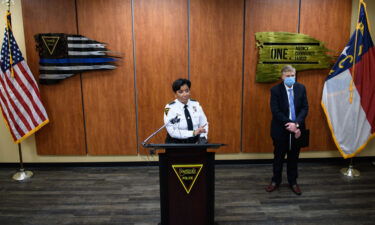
x=187 y=174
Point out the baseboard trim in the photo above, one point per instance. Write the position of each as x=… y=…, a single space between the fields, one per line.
x=155 y=163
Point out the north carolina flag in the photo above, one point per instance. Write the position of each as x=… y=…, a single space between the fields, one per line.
x=349 y=92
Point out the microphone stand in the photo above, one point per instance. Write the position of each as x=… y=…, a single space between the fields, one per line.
x=153 y=134
x=22 y=174
x=174 y=120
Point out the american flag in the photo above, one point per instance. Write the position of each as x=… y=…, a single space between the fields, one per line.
x=20 y=100
x=63 y=55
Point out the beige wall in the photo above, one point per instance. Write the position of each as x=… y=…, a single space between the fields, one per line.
x=9 y=150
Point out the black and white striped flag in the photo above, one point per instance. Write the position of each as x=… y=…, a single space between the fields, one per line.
x=63 y=55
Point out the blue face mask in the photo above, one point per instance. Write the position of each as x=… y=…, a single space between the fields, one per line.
x=289 y=81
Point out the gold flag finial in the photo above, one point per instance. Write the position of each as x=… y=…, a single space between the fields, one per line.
x=8 y=3
x=8 y=30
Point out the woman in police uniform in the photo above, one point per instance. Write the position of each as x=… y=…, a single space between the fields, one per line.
x=185 y=119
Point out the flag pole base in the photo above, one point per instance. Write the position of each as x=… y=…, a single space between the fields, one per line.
x=22 y=175
x=350 y=172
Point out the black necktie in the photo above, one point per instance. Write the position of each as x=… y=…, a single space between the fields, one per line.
x=188 y=118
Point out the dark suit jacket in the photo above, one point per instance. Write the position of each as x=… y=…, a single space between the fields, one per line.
x=280 y=109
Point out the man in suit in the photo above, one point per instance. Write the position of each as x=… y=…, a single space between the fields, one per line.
x=289 y=109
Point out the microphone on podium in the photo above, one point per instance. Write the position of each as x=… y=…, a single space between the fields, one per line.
x=172 y=121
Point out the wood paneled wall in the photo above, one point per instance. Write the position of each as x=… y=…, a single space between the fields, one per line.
x=261 y=15
x=161 y=46
x=210 y=42
x=216 y=67
x=108 y=96
x=332 y=28
x=65 y=134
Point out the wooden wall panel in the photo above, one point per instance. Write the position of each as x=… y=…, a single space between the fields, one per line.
x=64 y=135
x=332 y=26
x=161 y=57
x=237 y=107
x=261 y=15
x=108 y=96
x=216 y=38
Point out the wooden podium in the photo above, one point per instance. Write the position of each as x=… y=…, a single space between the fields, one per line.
x=187 y=183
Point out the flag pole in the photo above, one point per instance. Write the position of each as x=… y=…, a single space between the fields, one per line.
x=21 y=174
x=350 y=171
x=355 y=53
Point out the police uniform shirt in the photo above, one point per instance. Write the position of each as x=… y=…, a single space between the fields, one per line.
x=179 y=129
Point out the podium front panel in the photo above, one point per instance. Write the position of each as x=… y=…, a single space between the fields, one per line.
x=187 y=187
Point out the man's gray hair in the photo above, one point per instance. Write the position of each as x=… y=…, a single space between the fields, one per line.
x=288 y=68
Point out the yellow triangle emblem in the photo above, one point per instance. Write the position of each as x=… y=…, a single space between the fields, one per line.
x=50 y=42
x=187 y=174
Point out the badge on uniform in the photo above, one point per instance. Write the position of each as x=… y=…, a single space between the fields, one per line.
x=195 y=109
x=166 y=110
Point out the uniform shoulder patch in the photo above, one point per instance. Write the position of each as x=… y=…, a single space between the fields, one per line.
x=193 y=100
x=166 y=110
x=171 y=103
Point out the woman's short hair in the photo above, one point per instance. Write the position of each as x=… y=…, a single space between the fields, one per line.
x=177 y=84
x=288 y=68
